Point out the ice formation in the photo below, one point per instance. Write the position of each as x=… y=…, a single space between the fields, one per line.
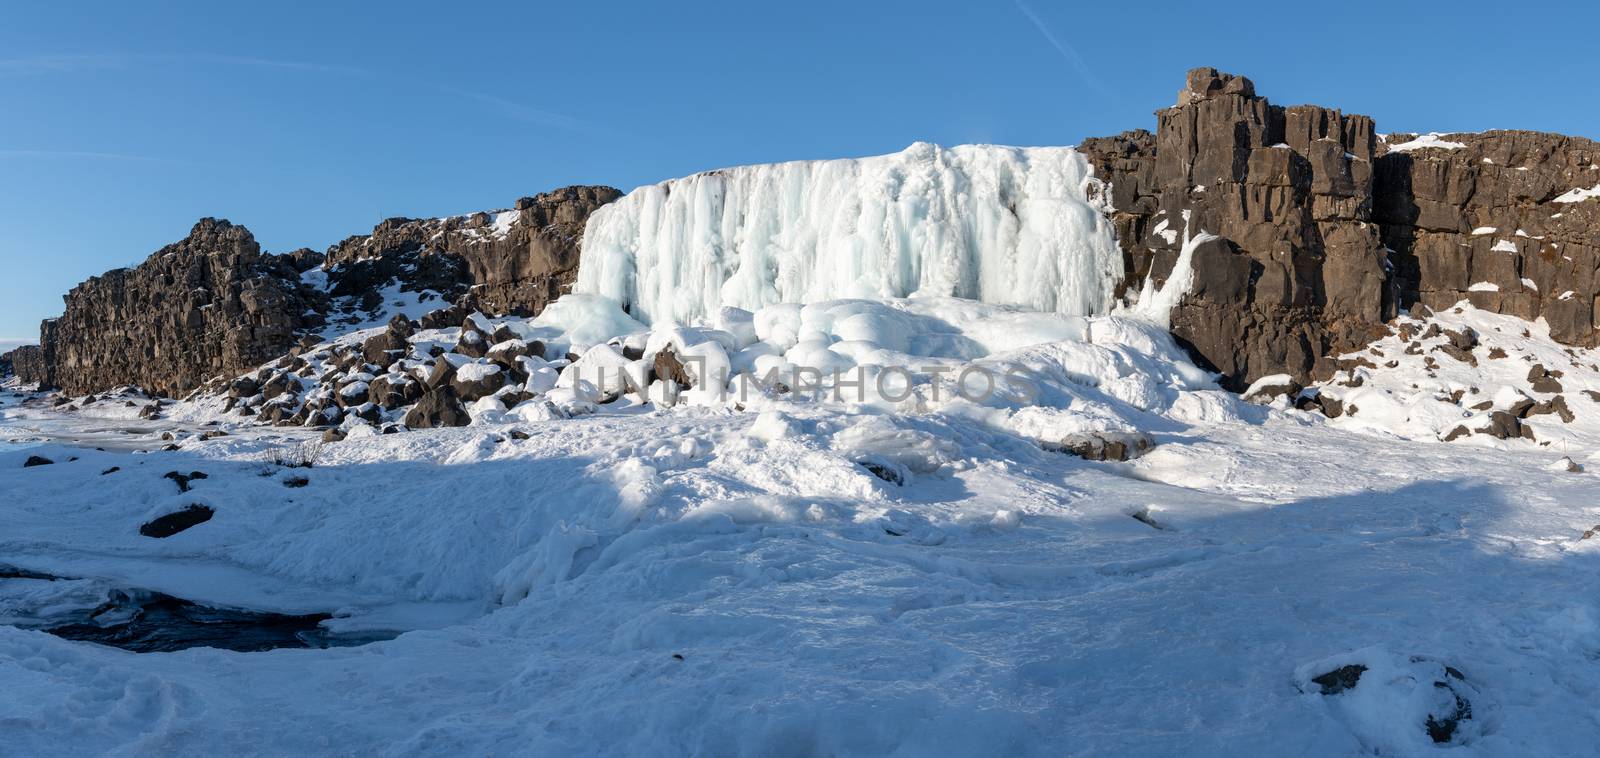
x=997 y=224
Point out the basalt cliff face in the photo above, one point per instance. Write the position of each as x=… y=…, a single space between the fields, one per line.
x=208 y=304
x=214 y=305
x=28 y=364
x=1325 y=229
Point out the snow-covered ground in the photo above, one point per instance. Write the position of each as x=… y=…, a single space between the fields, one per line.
x=707 y=581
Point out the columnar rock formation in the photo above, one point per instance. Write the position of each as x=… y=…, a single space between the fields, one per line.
x=1299 y=267
x=209 y=304
x=28 y=364
x=1499 y=218
x=1326 y=229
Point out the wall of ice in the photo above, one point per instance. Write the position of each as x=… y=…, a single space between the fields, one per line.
x=1001 y=225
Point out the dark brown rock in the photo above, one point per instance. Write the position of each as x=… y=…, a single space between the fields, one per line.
x=1556 y=405
x=209 y=304
x=479 y=387
x=1307 y=201
x=668 y=367
x=1298 y=270
x=515 y=261
x=438 y=408
x=178 y=521
x=1103 y=446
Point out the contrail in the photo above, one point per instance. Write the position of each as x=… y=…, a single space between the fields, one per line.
x=1065 y=49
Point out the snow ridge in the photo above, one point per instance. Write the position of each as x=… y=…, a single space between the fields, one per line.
x=1002 y=225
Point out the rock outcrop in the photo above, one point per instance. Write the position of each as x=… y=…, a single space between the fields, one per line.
x=29 y=366
x=1499 y=218
x=214 y=305
x=1298 y=269
x=514 y=262
x=1327 y=229
x=209 y=304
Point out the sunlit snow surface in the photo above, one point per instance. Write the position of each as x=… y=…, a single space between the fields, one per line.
x=996 y=224
x=703 y=581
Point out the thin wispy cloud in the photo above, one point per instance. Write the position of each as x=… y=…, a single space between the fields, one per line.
x=90 y=154
x=78 y=63
x=522 y=112
x=58 y=64
x=1067 y=51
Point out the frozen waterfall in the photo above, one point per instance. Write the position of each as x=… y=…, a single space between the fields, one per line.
x=997 y=224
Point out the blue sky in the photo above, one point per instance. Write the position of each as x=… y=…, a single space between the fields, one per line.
x=123 y=122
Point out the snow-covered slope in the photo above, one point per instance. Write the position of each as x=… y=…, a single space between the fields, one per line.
x=1469 y=376
x=996 y=224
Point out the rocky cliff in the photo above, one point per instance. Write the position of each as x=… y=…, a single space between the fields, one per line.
x=27 y=364
x=214 y=305
x=1501 y=218
x=1325 y=228
x=513 y=261
x=211 y=303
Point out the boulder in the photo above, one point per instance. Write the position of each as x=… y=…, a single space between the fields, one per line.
x=177 y=521
x=1103 y=446
x=438 y=408
x=477 y=380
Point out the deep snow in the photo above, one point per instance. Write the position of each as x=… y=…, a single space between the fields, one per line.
x=704 y=580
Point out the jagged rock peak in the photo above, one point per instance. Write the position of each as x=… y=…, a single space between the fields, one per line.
x=1205 y=83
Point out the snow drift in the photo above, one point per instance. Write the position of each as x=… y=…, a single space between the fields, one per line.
x=997 y=224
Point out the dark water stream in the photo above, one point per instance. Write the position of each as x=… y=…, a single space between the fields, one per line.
x=146 y=622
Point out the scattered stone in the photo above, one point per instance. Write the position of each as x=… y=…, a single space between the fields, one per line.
x=1103 y=446
x=1340 y=679
x=1542 y=380
x=668 y=367
x=34 y=460
x=1266 y=389
x=438 y=408
x=332 y=435
x=177 y=521
x=1502 y=426
x=112 y=470
x=184 y=479
x=886 y=471
x=477 y=380
x=1556 y=405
